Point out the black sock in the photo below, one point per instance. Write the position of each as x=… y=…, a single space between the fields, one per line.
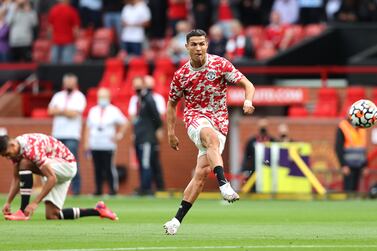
x=26 y=184
x=75 y=213
x=219 y=172
x=183 y=209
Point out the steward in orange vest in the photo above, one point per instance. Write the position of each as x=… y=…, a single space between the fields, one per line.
x=351 y=150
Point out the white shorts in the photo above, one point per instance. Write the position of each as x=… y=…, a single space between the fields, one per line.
x=193 y=132
x=64 y=172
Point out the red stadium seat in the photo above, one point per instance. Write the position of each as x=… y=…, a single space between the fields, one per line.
x=103 y=39
x=298 y=33
x=327 y=103
x=296 y=111
x=312 y=30
x=82 y=50
x=114 y=73
x=257 y=35
x=41 y=51
x=265 y=53
x=39 y=113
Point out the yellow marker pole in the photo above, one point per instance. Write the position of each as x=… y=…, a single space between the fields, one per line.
x=306 y=171
x=249 y=183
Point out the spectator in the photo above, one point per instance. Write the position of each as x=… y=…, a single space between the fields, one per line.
x=66 y=107
x=4 y=32
x=239 y=46
x=64 y=23
x=147 y=122
x=250 y=12
x=135 y=17
x=217 y=41
x=105 y=126
x=202 y=12
x=283 y=132
x=248 y=164
x=177 y=11
x=112 y=15
x=159 y=19
x=347 y=12
x=91 y=13
x=278 y=34
x=44 y=6
x=9 y=6
x=225 y=12
x=312 y=11
x=177 y=47
x=22 y=24
x=288 y=10
x=332 y=6
x=350 y=148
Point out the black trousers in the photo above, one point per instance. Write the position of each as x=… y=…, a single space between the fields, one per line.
x=105 y=168
x=351 y=181
x=148 y=156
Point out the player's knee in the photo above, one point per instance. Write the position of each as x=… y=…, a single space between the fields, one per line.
x=52 y=216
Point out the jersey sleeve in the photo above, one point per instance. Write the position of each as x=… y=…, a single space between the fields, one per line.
x=176 y=89
x=232 y=75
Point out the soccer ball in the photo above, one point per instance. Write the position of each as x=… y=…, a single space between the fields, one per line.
x=363 y=113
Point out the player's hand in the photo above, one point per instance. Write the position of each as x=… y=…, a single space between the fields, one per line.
x=174 y=142
x=346 y=170
x=248 y=107
x=6 y=209
x=29 y=210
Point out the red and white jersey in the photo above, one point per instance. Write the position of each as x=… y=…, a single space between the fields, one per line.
x=204 y=90
x=38 y=148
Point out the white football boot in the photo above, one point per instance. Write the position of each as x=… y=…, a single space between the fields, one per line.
x=228 y=193
x=171 y=227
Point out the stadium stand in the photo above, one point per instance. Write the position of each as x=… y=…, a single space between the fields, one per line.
x=327 y=103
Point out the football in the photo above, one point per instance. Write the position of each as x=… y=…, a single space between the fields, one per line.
x=363 y=113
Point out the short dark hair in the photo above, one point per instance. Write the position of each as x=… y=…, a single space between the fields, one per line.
x=4 y=139
x=195 y=33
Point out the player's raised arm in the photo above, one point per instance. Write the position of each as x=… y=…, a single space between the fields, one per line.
x=171 y=118
x=248 y=107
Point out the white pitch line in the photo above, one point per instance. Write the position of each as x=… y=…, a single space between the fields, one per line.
x=213 y=247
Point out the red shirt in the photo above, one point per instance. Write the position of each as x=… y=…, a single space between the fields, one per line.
x=38 y=148
x=177 y=11
x=275 y=34
x=225 y=13
x=63 y=18
x=204 y=90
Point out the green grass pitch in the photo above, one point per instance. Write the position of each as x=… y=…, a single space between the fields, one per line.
x=210 y=225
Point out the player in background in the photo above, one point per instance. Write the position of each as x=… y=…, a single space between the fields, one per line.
x=48 y=157
x=202 y=82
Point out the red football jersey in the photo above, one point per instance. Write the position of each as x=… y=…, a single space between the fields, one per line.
x=204 y=90
x=38 y=148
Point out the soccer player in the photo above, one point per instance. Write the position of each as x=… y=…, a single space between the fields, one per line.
x=202 y=81
x=48 y=157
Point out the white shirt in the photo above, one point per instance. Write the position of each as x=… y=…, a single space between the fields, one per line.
x=288 y=10
x=135 y=15
x=62 y=126
x=91 y=4
x=102 y=123
x=158 y=99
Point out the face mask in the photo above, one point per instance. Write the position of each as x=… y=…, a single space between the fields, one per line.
x=103 y=102
x=138 y=92
x=263 y=131
x=69 y=90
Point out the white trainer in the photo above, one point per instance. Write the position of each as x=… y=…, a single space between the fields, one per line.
x=228 y=193
x=171 y=227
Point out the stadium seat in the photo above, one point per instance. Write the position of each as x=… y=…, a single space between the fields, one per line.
x=327 y=103
x=257 y=35
x=298 y=33
x=374 y=95
x=312 y=30
x=137 y=66
x=103 y=39
x=265 y=53
x=114 y=74
x=353 y=94
x=163 y=74
x=41 y=51
x=39 y=113
x=82 y=50
x=296 y=111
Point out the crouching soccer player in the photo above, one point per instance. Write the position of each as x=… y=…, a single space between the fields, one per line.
x=48 y=157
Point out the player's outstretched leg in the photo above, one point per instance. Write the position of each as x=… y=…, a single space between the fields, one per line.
x=190 y=194
x=101 y=210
